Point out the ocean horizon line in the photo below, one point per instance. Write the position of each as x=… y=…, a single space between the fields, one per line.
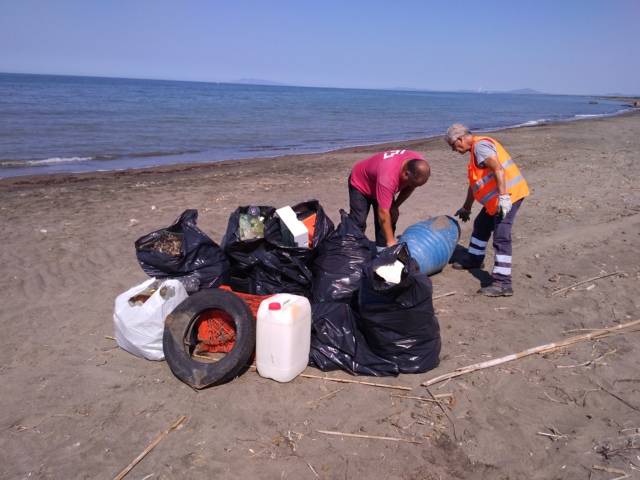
x=276 y=84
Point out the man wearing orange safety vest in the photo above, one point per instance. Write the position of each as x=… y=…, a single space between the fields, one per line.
x=496 y=182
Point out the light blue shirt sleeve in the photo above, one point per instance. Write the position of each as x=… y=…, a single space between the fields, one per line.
x=483 y=150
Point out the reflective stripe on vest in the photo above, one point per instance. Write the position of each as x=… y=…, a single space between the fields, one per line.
x=483 y=182
x=494 y=192
x=480 y=183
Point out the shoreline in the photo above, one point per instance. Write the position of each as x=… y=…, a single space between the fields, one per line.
x=68 y=390
x=189 y=166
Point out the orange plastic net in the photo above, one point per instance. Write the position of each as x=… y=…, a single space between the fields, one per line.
x=217 y=331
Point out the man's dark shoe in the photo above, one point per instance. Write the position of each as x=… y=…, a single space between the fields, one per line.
x=494 y=290
x=467 y=262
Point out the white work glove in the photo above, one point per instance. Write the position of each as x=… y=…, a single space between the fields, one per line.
x=504 y=205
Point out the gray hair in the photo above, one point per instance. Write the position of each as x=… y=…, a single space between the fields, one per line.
x=455 y=131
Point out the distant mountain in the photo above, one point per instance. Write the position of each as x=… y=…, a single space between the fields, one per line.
x=528 y=91
x=257 y=81
x=517 y=91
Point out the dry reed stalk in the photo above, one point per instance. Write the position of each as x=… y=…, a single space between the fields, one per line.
x=448 y=294
x=372 y=437
x=150 y=447
x=549 y=347
x=582 y=282
x=344 y=380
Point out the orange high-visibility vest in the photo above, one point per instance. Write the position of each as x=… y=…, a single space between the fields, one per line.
x=483 y=182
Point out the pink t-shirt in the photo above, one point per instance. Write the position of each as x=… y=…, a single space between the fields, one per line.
x=379 y=176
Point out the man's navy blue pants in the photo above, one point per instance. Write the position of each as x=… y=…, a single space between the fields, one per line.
x=483 y=226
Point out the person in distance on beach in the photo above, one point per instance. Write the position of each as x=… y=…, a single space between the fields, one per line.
x=496 y=182
x=375 y=181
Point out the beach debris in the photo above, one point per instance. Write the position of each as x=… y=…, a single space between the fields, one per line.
x=328 y=395
x=291 y=438
x=169 y=243
x=251 y=224
x=177 y=424
x=153 y=207
x=448 y=294
x=43 y=230
x=589 y=362
x=313 y=470
x=549 y=347
x=141 y=297
x=617 y=397
x=448 y=397
x=611 y=470
x=555 y=434
x=577 y=284
x=372 y=437
x=344 y=380
x=133 y=221
x=620 y=446
x=391 y=273
x=553 y=399
x=446 y=414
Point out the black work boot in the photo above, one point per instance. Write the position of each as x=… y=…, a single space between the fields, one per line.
x=468 y=262
x=495 y=290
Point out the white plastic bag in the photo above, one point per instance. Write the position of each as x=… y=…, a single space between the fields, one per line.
x=139 y=326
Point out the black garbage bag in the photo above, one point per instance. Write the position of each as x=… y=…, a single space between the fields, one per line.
x=238 y=248
x=277 y=271
x=336 y=343
x=398 y=320
x=185 y=252
x=258 y=267
x=322 y=227
x=337 y=267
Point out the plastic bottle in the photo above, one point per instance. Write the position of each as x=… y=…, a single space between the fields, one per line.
x=283 y=336
x=251 y=224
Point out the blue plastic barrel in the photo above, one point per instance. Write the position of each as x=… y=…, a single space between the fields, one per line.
x=432 y=242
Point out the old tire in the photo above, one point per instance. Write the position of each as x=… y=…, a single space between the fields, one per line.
x=180 y=332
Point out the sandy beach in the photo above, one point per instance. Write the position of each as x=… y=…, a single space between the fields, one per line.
x=74 y=405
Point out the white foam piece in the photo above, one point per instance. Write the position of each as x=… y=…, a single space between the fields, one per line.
x=295 y=226
x=392 y=273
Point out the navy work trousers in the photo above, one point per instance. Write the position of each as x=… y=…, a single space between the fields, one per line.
x=483 y=226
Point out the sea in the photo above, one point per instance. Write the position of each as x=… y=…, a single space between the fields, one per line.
x=55 y=124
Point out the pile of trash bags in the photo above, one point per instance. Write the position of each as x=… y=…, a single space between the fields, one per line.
x=372 y=311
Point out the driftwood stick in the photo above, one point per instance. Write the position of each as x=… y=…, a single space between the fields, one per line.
x=577 y=284
x=422 y=399
x=611 y=470
x=150 y=447
x=448 y=294
x=549 y=347
x=553 y=436
x=330 y=394
x=373 y=437
x=109 y=337
x=344 y=380
x=444 y=410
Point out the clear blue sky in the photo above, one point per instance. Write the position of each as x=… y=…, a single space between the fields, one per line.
x=561 y=46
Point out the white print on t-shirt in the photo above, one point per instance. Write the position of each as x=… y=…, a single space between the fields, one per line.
x=392 y=153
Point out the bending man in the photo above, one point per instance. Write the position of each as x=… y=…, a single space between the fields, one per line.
x=496 y=182
x=374 y=181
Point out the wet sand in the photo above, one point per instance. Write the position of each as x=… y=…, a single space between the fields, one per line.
x=73 y=405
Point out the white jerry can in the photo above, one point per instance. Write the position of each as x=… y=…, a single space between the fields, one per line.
x=283 y=336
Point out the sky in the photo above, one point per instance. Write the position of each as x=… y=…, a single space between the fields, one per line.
x=561 y=46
